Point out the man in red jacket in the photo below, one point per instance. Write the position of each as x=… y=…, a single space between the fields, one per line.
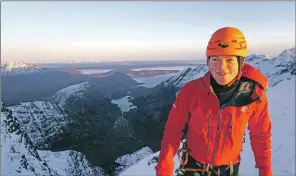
x=218 y=108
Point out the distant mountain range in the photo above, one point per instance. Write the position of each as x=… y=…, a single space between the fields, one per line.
x=41 y=84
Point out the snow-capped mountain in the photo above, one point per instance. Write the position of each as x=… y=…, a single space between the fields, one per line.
x=63 y=95
x=281 y=73
x=76 y=116
x=19 y=68
x=19 y=155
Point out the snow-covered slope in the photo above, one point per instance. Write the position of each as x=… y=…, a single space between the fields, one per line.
x=62 y=95
x=43 y=121
x=187 y=75
x=276 y=69
x=281 y=95
x=131 y=159
x=19 y=155
x=70 y=163
x=19 y=68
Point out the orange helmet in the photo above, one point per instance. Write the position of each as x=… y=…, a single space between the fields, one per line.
x=227 y=41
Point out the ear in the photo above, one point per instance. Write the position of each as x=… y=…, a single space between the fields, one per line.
x=243 y=64
x=208 y=60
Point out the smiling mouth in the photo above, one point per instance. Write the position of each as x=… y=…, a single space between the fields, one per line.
x=221 y=74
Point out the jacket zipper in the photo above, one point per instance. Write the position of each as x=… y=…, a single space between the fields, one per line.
x=209 y=137
x=226 y=135
x=217 y=140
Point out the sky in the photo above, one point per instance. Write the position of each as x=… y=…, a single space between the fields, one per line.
x=125 y=31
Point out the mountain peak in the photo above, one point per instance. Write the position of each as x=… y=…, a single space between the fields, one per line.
x=12 y=65
x=288 y=52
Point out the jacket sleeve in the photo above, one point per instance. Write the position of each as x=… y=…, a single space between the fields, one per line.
x=172 y=135
x=260 y=137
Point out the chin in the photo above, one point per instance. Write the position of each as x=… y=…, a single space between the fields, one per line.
x=223 y=83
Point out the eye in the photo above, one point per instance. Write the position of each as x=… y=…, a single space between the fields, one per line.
x=214 y=59
x=231 y=60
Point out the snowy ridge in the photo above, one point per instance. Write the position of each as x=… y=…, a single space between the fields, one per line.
x=19 y=68
x=70 y=163
x=128 y=160
x=20 y=157
x=62 y=95
x=43 y=121
x=276 y=69
x=187 y=75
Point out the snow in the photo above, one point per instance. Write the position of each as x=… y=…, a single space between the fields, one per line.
x=16 y=157
x=146 y=166
x=41 y=120
x=124 y=103
x=69 y=163
x=153 y=81
x=61 y=96
x=19 y=68
x=19 y=157
x=11 y=65
x=131 y=159
x=187 y=75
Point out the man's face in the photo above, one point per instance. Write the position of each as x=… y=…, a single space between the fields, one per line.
x=223 y=68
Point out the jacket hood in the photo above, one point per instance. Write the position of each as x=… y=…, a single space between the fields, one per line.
x=252 y=73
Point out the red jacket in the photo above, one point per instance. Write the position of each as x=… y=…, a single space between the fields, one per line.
x=215 y=135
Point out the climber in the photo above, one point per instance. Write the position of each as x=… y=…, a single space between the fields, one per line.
x=213 y=112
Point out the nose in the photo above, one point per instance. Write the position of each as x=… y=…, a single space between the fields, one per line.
x=222 y=64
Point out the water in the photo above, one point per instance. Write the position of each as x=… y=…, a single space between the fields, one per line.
x=164 y=68
x=152 y=81
x=99 y=71
x=95 y=71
